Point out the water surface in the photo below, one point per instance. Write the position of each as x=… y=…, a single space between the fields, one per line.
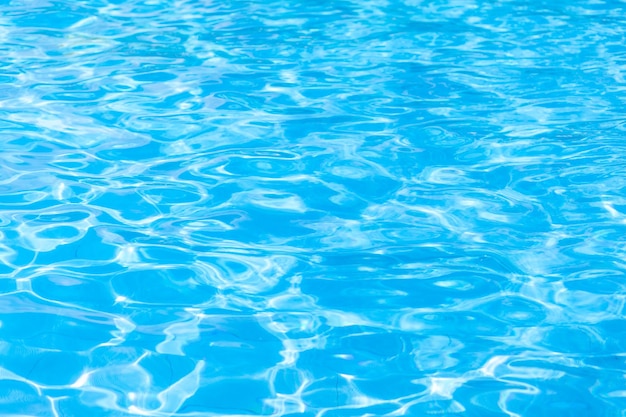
x=331 y=209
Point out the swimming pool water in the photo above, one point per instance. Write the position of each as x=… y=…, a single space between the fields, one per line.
x=312 y=208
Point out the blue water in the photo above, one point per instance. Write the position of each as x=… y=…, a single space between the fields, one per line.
x=313 y=208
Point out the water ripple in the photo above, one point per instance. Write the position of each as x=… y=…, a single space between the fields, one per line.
x=345 y=208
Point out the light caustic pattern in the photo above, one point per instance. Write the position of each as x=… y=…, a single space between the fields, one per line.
x=301 y=208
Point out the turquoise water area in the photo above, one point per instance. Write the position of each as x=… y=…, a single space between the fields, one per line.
x=312 y=208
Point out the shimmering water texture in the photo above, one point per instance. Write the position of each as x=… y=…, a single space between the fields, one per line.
x=322 y=208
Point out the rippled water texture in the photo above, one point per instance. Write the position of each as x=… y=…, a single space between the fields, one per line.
x=312 y=208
